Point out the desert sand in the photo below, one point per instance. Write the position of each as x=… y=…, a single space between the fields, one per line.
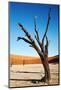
x=17 y=59
x=22 y=75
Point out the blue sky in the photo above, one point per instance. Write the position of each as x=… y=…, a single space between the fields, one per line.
x=24 y=13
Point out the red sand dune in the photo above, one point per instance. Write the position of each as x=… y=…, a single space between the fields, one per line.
x=15 y=59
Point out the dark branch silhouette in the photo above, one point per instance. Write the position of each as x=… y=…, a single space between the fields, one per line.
x=37 y=35
x=34 y=45
x=46 y=27
x=26 y=33
x=24 y=40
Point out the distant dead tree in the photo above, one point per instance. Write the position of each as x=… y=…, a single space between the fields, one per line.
x=41 y=48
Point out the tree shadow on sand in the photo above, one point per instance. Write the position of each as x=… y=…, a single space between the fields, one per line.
x=43 y=80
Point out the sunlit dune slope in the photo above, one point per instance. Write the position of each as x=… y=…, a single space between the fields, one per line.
x=15 y=59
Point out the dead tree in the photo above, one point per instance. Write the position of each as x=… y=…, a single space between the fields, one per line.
x=41 y=48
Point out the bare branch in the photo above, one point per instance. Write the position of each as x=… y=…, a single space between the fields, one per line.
x=47 y=41
x=46 y=27
x=40 y=44
x=32 y=42
x=24 y=40
x=37 y=35
x=26 y=32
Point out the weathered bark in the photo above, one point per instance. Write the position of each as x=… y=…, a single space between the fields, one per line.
x=45 y=63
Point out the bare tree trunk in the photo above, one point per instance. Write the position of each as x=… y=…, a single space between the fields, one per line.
x=45 y=63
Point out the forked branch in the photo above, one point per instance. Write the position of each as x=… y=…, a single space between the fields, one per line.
x=30 y=41
x=26 y=32
x=37 y=36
